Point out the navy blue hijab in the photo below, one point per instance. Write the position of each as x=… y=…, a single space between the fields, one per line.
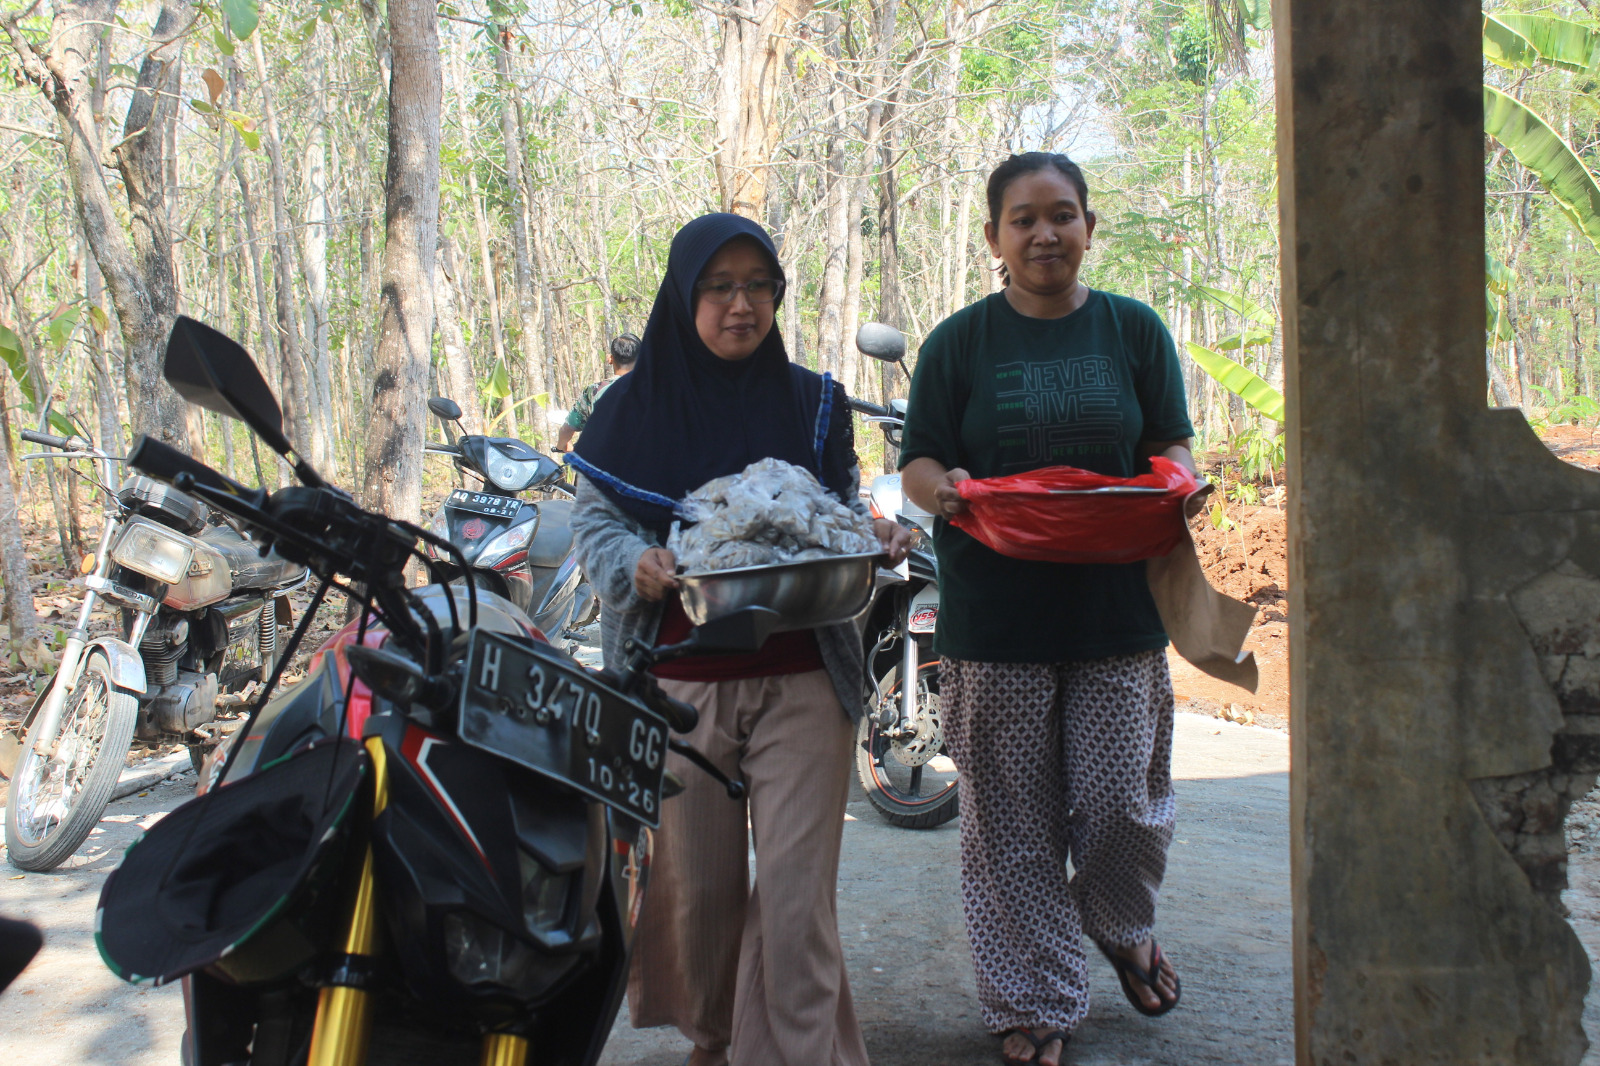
x=683 y=416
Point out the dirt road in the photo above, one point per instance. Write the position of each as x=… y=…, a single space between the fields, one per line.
x=1225 y=923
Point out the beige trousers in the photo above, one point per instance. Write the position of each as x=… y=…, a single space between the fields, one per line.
x=757 y=970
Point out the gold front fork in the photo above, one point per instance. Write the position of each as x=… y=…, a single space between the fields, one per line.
x=503 y=1049
x=344 y=1014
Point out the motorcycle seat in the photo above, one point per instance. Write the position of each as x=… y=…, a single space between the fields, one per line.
x=250 y=569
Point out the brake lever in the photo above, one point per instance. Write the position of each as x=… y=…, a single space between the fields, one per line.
x=735 y=789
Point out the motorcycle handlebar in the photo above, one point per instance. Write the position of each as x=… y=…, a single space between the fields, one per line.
x=49 y=440
x=681 y=717
x=164 y=463
x=866 y=408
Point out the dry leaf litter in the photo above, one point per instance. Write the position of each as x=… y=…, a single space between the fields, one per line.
x=771 y=512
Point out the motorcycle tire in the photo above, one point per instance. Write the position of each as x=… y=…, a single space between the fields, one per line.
x=902 y=803
x=119 y=711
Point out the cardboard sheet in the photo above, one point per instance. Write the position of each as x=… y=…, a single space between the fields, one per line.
x=1207 y=628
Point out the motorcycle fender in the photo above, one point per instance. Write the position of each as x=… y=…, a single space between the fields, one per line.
x=923 y=616
x=127 y=669
x=127 y=672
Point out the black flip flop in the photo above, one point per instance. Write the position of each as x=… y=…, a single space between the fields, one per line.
x=1128 y=971
x=1039 y=1044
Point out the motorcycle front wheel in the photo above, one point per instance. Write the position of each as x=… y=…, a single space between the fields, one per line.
x=52 y=805
x=910 y=781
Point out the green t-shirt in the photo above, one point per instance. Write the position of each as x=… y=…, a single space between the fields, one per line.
x=996 y=392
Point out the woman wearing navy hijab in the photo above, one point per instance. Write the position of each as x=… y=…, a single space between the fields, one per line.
x=752 y=975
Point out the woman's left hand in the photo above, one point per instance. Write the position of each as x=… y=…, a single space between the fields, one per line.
x=895 y=538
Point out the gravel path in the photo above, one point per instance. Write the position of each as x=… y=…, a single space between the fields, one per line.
x=1225 y=923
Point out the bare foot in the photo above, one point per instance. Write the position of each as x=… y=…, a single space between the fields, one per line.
x=1018 y=1048
x=1166 y=977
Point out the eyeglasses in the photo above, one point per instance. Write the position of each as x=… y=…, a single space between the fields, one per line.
x=758 y=291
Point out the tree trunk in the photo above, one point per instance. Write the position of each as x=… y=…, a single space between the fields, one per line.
x=314 y=255
x=139 y=273
x=18 y=588
x=393 y=476
x=755 y=37
x=456 y=373
x=297 y=392
x=520 y=222
x=830 y=304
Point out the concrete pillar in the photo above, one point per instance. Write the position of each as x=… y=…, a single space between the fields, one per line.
x=1444 y=604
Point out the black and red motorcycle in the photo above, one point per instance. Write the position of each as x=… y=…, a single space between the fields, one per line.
x=432 y=849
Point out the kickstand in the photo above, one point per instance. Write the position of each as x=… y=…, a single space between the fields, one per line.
x=735 y=788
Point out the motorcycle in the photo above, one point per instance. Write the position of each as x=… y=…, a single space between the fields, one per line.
x=202 y=610
x=900 y=757
x=434 y=847
x=520 y=549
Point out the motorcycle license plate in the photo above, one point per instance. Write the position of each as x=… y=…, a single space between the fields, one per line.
x=529 y=704
x=484 y=503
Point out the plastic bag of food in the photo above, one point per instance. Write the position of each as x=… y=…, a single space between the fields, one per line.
x=771 y=512
x=1061 y=514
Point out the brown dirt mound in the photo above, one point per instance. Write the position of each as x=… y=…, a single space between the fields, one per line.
x=1248 y=561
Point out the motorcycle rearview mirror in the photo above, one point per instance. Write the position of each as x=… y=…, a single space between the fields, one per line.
x=397 y=678
x=212 y=370
x=445 y=408
x=881 y=342
x=744 y=630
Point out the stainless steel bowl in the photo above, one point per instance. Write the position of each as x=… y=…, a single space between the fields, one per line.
x=817 y=592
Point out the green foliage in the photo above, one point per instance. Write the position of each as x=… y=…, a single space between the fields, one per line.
x=1573 y=410
x=243 y=15
x=1193 y=49
x=1239 y=380
x=498 y=386
x=1519 y=41
x=1260 y=455
x=1241 y=305
x=1539 y=148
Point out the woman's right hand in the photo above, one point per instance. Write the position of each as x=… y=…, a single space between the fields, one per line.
x=947 y=498
x=655 y=576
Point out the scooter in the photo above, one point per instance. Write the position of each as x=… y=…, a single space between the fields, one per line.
x=434 y=847
x=519 y=549
x=900 y=757
x=203 y=608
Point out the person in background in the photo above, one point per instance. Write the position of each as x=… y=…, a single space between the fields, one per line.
x=624 y=351
x=751 y=975
x=1054 y=689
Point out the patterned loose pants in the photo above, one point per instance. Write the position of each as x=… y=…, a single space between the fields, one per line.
x=1057 y=761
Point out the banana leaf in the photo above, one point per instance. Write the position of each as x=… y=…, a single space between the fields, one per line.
x=1568 y=45
x=1241 y=305
x=1239 y=380
x=1540 y=149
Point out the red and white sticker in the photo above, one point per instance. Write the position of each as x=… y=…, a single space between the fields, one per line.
x=925 y=610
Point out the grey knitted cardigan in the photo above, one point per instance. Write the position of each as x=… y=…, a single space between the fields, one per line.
x=609 y=543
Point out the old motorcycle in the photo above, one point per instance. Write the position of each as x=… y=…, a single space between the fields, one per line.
x=434 y=847
x=202 y=610
x=521 y=549
x=900 y=757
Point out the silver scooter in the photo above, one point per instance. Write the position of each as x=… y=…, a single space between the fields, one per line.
x=900 y=757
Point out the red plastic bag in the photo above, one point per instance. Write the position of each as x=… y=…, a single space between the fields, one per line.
x=1055 y=514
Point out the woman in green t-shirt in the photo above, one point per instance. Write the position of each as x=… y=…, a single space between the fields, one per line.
x=1054 y=688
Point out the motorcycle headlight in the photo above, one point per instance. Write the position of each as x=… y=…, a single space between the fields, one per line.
x=154 y=551
x=512 y=475
x=544 y=896
x=505 y=542
x=479 y=952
